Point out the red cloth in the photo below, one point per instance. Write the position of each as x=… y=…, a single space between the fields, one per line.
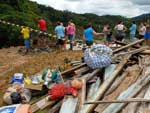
x=42 y=24
x=60 y=90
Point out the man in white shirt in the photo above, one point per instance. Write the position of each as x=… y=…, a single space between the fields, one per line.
x=120 y=29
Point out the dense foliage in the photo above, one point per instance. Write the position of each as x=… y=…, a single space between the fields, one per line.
x=27 y=12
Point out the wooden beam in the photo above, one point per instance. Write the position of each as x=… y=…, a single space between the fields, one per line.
x=99 y=94
x=83 y=93
x=119 y=101
x=127 y=46
x=131 y=92
x=74 y=68
x=123 y=44
x=69 y=104
x=55 y=107
x=43 y=103
x=133 y=51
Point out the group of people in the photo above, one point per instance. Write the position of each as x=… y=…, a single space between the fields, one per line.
x=121 y=29
x=63 y=32
x=42 y=40
x=68 y=33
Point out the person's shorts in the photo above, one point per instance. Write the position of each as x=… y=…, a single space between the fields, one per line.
x=27 y=43
x=120 y=35
x=140 y=36
x=60 y=42
x=43 y=35
x=89 y=43
x=147 y=35
x=108 y=38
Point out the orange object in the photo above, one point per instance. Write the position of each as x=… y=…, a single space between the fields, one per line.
x=76 y=84
x=24 y=108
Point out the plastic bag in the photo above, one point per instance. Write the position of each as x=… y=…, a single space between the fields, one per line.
x=98 y=56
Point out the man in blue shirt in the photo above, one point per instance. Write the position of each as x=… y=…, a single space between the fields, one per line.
x=88 y=34
x=60 y=32
x=133 y=31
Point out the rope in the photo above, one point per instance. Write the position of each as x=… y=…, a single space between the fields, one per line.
x=31 y=29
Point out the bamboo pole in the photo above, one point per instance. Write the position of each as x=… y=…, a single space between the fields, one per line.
x=119 y=101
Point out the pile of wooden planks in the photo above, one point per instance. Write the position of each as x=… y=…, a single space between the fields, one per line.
x=122 y=87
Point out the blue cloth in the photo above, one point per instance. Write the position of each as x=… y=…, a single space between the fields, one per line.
x=133 y=29
x=60 y=31
x=98 y=56
x=27 y=43
x=147 y=35
x=9 y=109
x=88 y=33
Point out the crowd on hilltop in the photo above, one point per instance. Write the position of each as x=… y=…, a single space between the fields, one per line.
x=67 y=33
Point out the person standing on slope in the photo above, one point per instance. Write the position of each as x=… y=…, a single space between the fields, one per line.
x=42 y=37
x=88 y=34
x=132 y=31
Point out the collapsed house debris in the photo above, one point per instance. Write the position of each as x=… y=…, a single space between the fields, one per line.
x=124 y=87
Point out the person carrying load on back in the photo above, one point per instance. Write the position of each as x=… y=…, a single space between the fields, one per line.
x=26 y=35
x=42 y=41
x=120 y=29
x=88 y=34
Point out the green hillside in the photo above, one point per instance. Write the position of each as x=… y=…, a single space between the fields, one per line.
x=27 y=12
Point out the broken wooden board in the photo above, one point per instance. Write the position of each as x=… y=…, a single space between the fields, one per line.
x=56 y=107
x=132 y=107
x=109 y=70
x=43 y=103
x=82 y=70
x=145 y=107
x=123 y=85
x=129 y=93
x=116 y=83
x=100 y=92
x=69 y=105
x=91 y=93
